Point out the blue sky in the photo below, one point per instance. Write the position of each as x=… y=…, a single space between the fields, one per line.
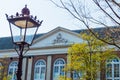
x=45 y=10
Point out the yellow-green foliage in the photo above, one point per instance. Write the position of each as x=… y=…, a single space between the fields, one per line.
x=64 y=78
x=87 y=57
x=3 y=73
x=6 y=78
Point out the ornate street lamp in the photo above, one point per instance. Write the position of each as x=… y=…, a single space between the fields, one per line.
x=23 y=28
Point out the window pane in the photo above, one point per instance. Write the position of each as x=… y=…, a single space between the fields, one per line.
x=109 y=70
x=42 y=73
x=56 y=68
x=116 y=70
x=61 y=70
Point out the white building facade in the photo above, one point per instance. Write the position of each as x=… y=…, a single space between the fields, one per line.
x=48 y=55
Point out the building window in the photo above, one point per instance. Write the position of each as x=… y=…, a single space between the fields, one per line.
x=58 y=68
x=39 y=70
x=77 y=75
x=113 y=69
x=12 y=70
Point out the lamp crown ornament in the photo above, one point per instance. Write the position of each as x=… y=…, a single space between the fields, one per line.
x=22 y=25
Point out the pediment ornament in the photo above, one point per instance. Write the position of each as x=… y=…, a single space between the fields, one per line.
x=59 y=39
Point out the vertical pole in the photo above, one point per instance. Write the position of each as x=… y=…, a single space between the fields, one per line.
x=19 y=71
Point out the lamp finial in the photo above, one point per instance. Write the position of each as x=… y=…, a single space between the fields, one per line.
x=25 y=10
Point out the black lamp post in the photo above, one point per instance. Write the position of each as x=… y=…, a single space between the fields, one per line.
x=23 y=28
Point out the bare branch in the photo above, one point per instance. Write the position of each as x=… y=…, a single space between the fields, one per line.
x=56 y=4
x=97 y=3
x=112 y=9
x=81 y=13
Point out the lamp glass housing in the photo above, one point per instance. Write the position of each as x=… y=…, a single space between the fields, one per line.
x=23 y=29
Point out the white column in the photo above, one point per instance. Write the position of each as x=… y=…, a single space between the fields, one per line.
x=49 y=58
x=68 y=74
x=98 y=78
x=29 y=68
x=24 y=68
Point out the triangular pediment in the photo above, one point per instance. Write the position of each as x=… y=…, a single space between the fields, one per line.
x=57 y=37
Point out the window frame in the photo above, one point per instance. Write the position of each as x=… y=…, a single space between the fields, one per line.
x=38 y=67
x=111 y=63
x=59 y=67
x=13 y=66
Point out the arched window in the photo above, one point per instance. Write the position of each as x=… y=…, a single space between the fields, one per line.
x=12 y=70
x=58 y=68
x=39 y=70
x=113 y=69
